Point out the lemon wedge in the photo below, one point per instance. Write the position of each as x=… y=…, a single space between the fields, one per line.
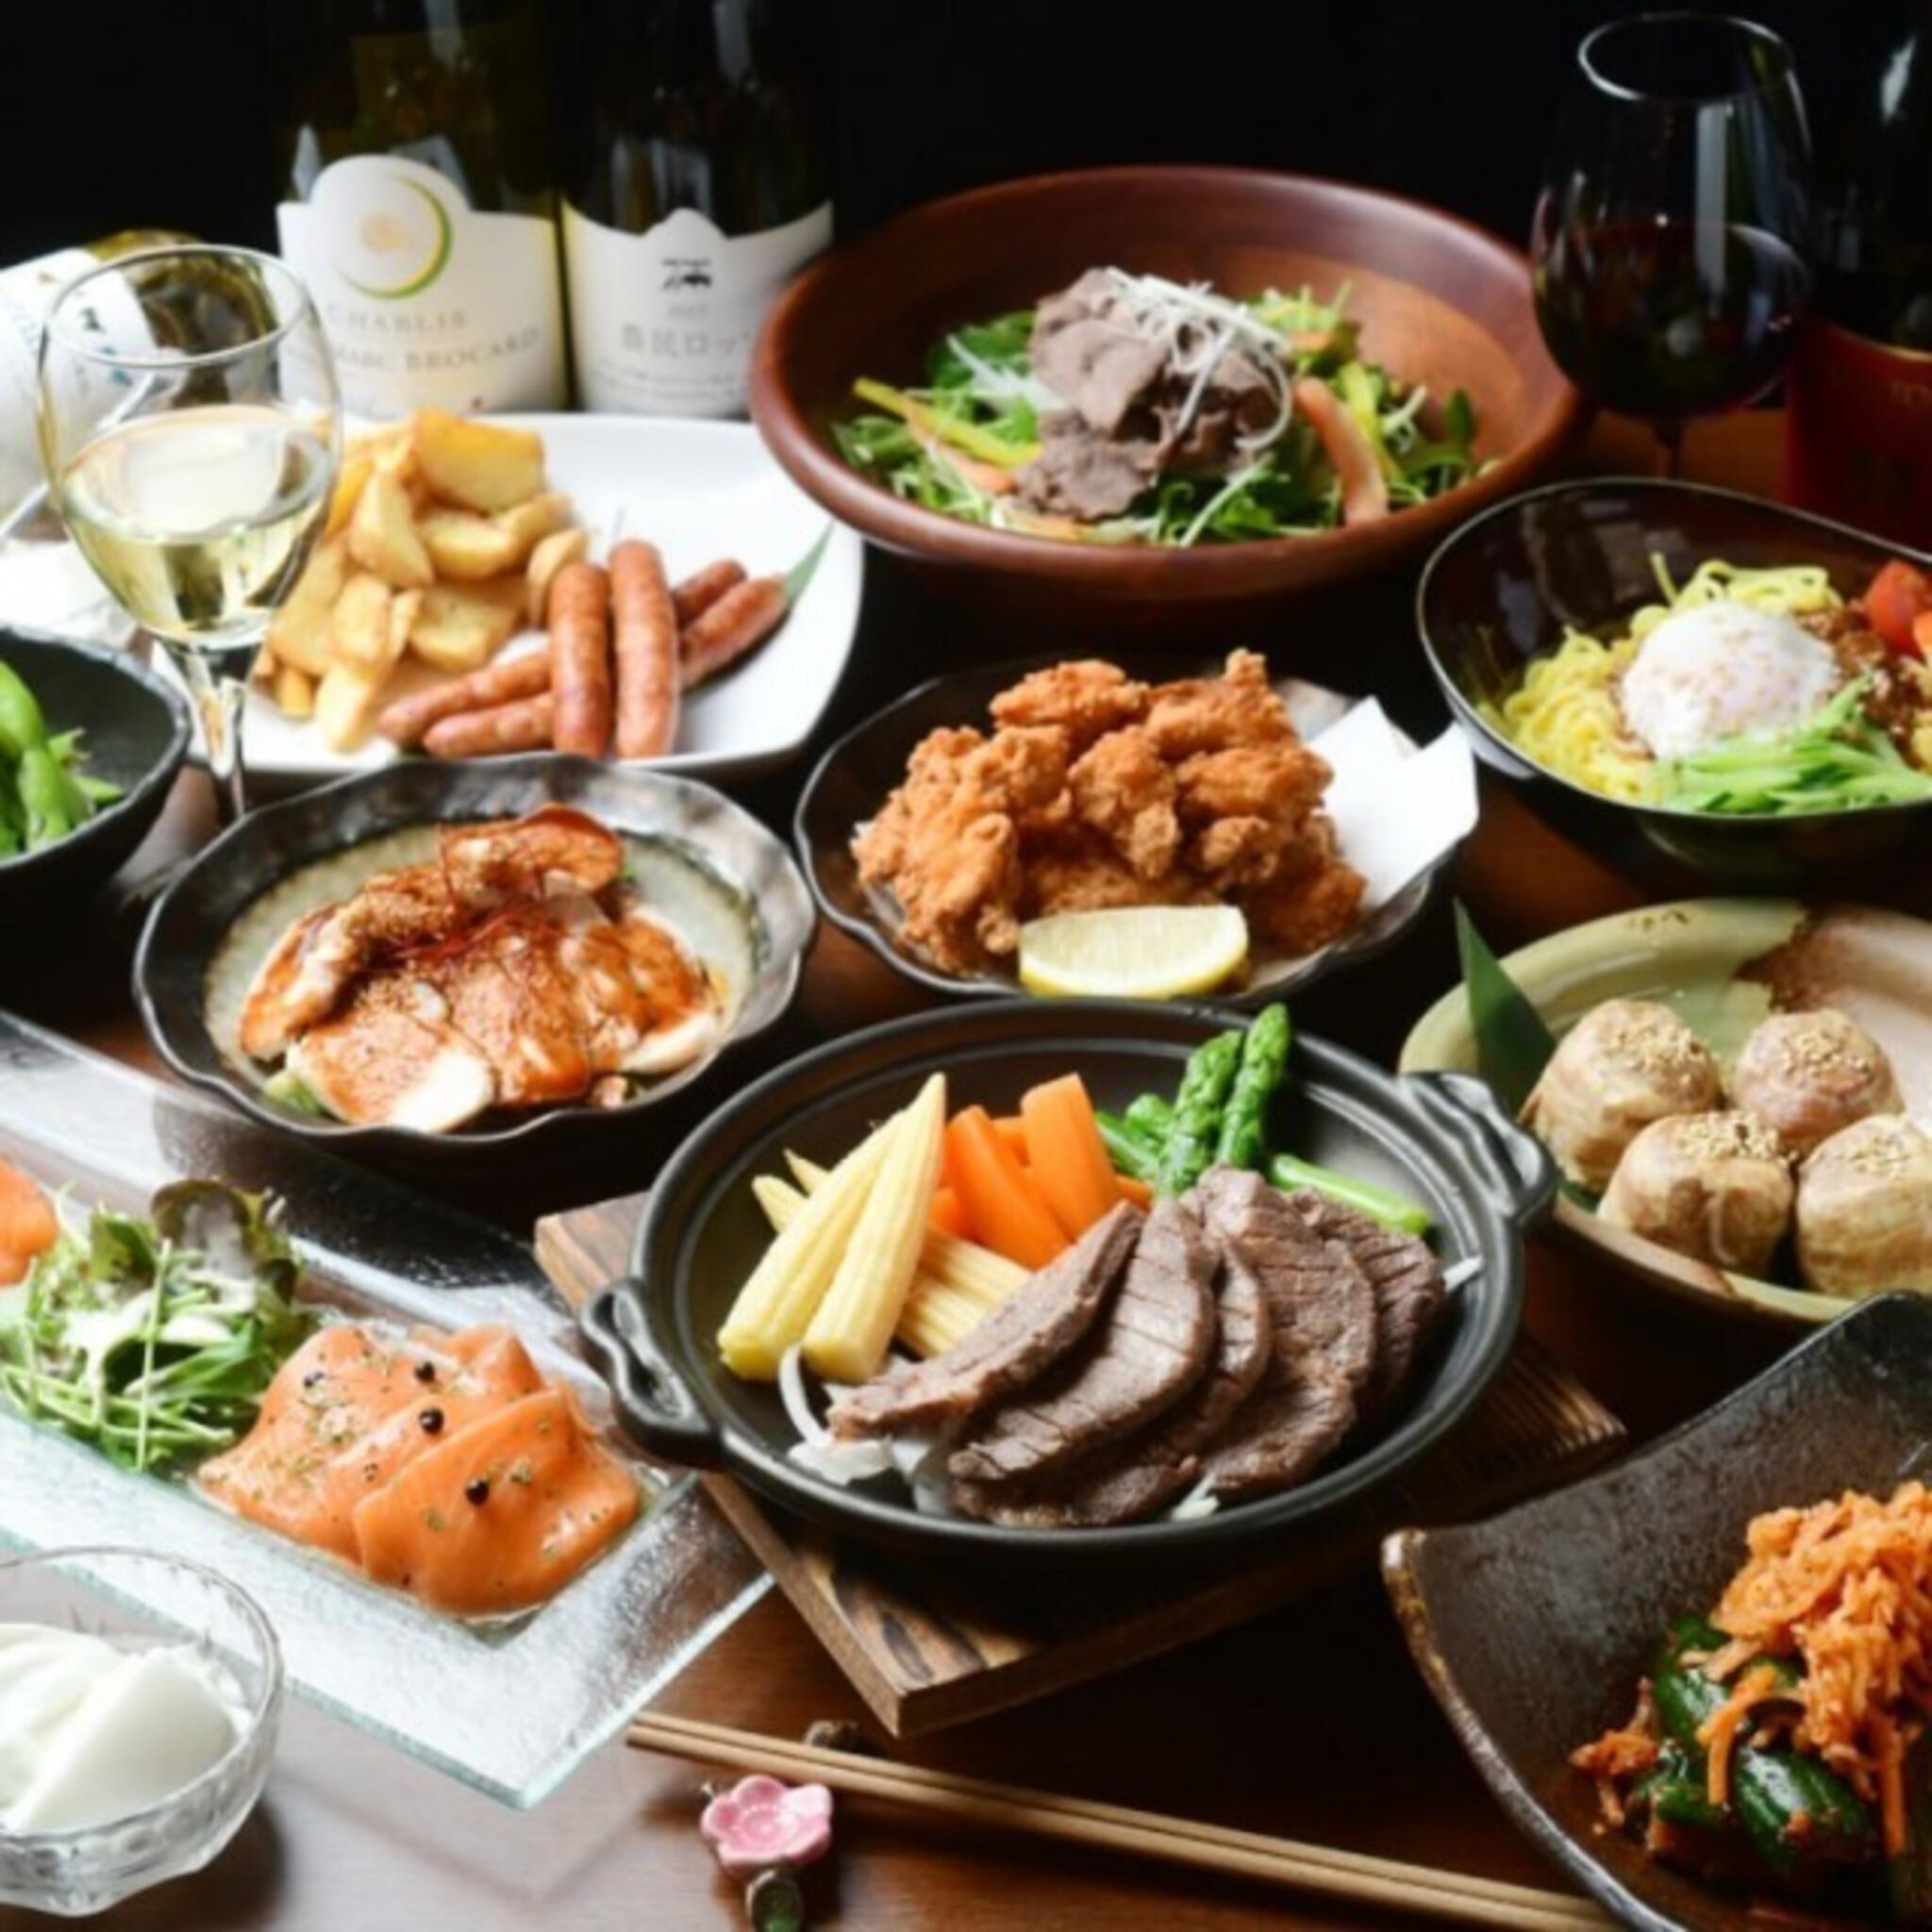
x=1134 y=952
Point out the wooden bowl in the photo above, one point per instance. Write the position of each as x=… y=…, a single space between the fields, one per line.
x=1440 y=303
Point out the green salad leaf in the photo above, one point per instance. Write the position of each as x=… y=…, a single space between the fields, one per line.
x=154 y=1339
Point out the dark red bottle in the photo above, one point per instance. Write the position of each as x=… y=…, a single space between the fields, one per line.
x=1860 y=445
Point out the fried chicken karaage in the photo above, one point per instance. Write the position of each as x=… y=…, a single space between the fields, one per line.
x=1097 y=790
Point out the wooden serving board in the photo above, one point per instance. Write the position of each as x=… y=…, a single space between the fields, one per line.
x=925 y=1651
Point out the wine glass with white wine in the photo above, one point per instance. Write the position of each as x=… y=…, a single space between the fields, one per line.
x=190 y=426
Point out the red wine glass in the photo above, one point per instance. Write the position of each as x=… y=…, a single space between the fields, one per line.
x=1670 y=245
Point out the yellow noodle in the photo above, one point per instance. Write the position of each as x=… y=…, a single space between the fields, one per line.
x=1565 y=713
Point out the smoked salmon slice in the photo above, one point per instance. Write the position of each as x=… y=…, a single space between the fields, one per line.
x=500 y=1515
x=327 y=1397
x=28 y=1226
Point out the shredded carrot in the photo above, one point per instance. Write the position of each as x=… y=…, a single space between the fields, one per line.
x=1718 y=1733
x=1844 y=1588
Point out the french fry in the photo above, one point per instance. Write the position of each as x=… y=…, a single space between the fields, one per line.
x=527 y=523
x=358 y=461
x=851 y=1327
x=361 y=630
x=383 y=537
x=934 y=1317
x=294 y=691
x=775 y=1305
x=459 y=629
x=549 y=555
x=298 y=633
x=347 y=701
x=486 y=466
x=962 y=1265
x=464 y=546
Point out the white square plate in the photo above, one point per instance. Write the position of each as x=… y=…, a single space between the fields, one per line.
x=699 y=490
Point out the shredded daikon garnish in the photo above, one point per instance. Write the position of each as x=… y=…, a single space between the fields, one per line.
x=994 y=384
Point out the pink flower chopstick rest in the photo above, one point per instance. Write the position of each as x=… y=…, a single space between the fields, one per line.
x=760 y=1823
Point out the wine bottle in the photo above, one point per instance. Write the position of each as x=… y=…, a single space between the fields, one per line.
x=420 y=180
x=1859 y=407
x=700 y=185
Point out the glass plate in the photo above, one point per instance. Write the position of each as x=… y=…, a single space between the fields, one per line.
x=511 y=1707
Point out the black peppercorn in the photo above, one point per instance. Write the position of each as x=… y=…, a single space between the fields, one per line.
x=478 y=1490
x=426 y=1372
x=431 y=1420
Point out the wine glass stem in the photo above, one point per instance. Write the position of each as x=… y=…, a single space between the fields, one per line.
x=218 y=704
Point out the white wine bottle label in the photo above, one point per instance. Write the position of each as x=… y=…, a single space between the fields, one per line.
x=426 y=301
x=662 y=323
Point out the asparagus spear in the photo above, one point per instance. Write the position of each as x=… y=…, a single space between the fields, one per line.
x=1242 y=1138
x=1197 y=1110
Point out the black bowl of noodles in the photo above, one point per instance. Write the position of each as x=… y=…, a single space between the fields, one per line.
x=1586 y=558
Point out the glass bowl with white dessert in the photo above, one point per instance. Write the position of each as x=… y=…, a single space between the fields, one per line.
x=1685 y=675
x=132 y=1745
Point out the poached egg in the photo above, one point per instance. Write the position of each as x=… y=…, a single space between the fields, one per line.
x=1723 y=669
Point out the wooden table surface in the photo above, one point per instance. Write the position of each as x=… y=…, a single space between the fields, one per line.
x=1310 y=1723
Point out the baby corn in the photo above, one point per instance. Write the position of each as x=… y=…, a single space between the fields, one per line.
x=775 y=1306
x=934 y=1317
x=974 y=1270
x=847 y=1337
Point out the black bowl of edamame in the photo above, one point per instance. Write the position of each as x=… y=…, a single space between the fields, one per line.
x=91 y=741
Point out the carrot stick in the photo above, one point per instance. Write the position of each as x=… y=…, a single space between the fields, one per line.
x=1008 y=1212
x=1067 y=1155
x=948 y=1213
x=1013 y=1131
x=1139 y=1192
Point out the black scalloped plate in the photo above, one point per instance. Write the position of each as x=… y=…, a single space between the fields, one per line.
x=855 y=777
x=186 y=927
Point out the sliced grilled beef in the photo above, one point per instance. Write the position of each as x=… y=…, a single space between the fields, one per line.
x=1038 y=1323
x=1408 y=1284
x=1150 y=1350
x=1133 y=1480
x=1323 y=1311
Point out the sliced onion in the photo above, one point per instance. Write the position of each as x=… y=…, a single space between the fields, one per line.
x=1465 y=1270
x=817 y=1451
x=1198 y=1503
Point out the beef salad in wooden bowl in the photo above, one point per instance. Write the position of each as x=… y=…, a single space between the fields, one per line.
x=1161 y=389
x=1080 y=1284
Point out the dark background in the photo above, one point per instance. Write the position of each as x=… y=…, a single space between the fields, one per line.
x=161 y=117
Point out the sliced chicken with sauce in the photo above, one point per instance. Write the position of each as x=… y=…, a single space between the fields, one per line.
x=516 y=971
x=392 y=1057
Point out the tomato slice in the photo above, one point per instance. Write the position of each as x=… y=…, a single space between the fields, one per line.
x=1895 y=599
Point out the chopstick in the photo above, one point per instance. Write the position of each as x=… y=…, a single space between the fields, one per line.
x=1415 y=1889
